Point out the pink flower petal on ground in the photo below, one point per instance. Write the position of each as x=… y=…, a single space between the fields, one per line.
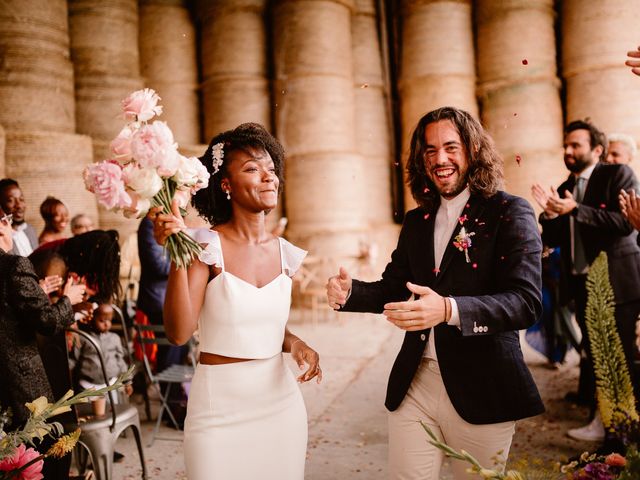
x=518 y=159
x=525 y=61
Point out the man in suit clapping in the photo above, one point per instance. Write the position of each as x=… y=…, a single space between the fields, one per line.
x=470 y=255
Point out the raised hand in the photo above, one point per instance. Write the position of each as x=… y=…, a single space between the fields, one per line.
x=166 y=224
x=630 y=207
x=51 y=283
x=562 y=206
x=74 y=291
x=412 y=315
x=634 y=61
x=303 y=353
x=338 y=287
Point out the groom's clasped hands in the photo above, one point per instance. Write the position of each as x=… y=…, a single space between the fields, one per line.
x=427 y=311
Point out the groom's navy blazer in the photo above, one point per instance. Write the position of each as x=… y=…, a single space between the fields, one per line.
x=498 y=292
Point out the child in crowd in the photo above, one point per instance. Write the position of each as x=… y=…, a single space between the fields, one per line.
x=84 y=360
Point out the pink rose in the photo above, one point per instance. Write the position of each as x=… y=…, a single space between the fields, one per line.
x=121 y=145
x=152 y=146
x=615 y=460
x=141 y=105
x=104 y=179
x=20 y=457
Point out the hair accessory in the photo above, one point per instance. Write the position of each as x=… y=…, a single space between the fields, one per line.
x=217 y=152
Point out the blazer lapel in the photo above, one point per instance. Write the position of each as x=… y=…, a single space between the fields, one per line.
x=472 y=211
x=424 y=250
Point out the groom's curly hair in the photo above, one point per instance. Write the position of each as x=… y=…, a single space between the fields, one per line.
x=211 y=202
x=485 y=175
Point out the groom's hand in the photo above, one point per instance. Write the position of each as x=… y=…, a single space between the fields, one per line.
x=338 y=288
x=412 y=315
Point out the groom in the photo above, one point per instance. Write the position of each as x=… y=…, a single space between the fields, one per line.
x=469 y=258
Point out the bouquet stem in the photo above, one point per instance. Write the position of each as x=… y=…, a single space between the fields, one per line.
x=180 y=246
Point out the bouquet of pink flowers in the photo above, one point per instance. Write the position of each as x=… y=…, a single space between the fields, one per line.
x=145 y=170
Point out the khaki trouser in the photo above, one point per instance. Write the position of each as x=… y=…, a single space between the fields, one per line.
x=412 y=457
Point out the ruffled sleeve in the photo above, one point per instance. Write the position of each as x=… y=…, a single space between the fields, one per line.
x=210 y=241
x=292 y=257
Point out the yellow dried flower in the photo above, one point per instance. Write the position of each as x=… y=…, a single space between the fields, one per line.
x=64 y=445
x=38 y=406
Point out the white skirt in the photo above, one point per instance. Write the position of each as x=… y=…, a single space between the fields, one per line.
x=245 y=421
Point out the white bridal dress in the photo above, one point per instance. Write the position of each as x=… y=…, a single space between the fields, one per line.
x=245 y=420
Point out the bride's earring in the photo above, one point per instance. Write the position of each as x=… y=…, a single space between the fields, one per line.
x=228 y=195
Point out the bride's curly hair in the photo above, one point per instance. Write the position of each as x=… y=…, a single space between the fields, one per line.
x=211 y=202
x=485 y=174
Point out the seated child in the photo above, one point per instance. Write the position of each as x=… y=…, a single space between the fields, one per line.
x=84 y=359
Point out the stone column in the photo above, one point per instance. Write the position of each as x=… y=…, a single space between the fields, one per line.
x=595 y=39
x=168 y=64
x=104 y=49
x=519 y=90
x=314 y=111
x=37 y=108
x=233 y=56
x=373 y=127
x=437 y=64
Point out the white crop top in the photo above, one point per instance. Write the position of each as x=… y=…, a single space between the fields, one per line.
x=238 y=319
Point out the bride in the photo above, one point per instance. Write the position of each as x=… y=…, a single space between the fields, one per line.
x=246 y=417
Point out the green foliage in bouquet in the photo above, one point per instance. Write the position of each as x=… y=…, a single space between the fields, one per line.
x=616 y=401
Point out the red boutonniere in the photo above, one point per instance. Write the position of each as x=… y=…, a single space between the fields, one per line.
x=463 y=240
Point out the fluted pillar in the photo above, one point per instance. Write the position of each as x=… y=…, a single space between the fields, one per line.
x=595 y=39
x=168 y=64
x=37 y=108
x=315 y=119
x=233 y=56
x=437 y=64
x=519 y=90
x=104 y=50
x=373 y=127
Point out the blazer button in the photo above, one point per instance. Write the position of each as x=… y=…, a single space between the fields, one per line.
x=423 y=337
x=475 y=329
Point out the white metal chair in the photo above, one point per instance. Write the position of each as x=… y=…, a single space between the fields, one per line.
x=100 y=433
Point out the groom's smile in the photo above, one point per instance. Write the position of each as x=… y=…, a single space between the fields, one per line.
x=445 y=158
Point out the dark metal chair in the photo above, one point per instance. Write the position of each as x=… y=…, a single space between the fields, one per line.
x=100 y=433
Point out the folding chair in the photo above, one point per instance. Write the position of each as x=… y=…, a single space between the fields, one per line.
x=174 y=374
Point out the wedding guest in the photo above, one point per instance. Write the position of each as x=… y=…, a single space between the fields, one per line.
x=460 y=369
x=245 y=417
x=583 y=218
x=81 y=223
x=12 y=202
x=622 y=149
x=56 y=217
x=26 y=311
x=85 y=360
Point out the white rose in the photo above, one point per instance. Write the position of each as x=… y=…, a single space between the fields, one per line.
x=144 y=181
x=187 y=173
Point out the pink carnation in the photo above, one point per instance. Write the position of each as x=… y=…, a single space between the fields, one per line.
x=152 y=146
x=141 y=105
x=104 y=179
x=20 y=457
x=121 y=145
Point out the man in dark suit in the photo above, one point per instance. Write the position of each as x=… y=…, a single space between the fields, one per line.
x=471 y=256
x=583 y=218
x=25 y=239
